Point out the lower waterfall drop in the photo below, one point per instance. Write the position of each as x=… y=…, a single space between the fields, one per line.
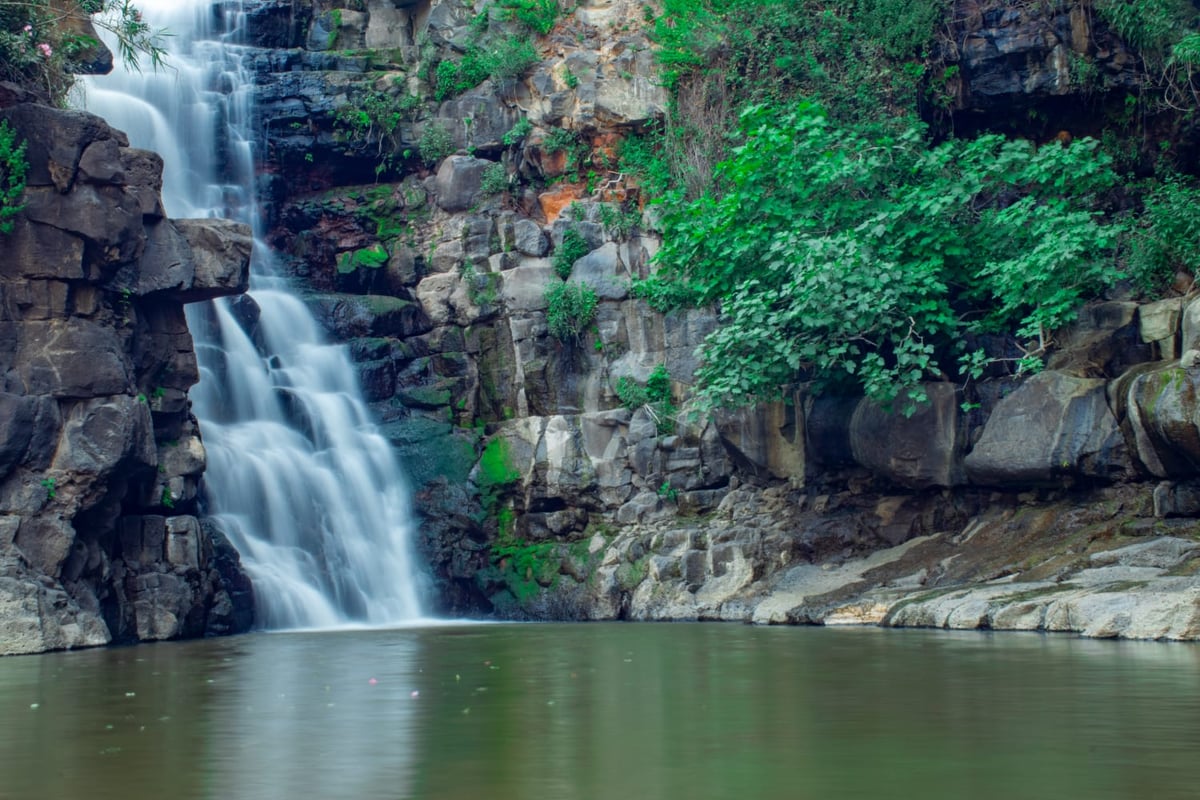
x=298 y=476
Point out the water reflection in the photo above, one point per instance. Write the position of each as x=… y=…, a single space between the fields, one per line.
x=592 y=711
x=317 y=716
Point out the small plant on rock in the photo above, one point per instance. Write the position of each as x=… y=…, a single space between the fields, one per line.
x=435 y=143
x=494 y=180
x=654 y=396
x=570 y=309
x=13 y=167
x=573 y=248
x=518 y=132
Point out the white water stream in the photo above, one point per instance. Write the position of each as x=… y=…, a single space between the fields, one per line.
x=298 y=476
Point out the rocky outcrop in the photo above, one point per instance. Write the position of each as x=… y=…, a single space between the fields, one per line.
x=1019 y=55
x=100 y=457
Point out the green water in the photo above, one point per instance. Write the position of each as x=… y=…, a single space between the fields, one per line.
x=606 y=711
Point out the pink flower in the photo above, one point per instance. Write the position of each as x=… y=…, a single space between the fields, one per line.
x=29 y=29
x=45 y=48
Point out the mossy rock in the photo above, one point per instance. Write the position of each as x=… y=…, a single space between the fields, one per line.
x=351 y=316
x=425 y=397
x=429 y=449
x=372 y=257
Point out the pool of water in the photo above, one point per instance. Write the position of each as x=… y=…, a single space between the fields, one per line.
x=500 y=712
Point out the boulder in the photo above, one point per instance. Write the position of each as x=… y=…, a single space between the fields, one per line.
x=55 y=141
x=35 y=618
x=220 y=251
x=1053 y=426
x=1159 y=323
x=529 y=238
x=523 y=289
x=603 y=271
x=44 y=251
x=74 y=357
x=766 y=439
x=1177 y=499
x=350 y=316
x=16 y=429
x=918 y=451
x=1190 y=326
x=107 y=217
x=1164 y=418
x=630 y=91
x=458 y=182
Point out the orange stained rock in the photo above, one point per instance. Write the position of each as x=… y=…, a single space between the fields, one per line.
x=557 y=199
x=606 y=147
x=554 y=164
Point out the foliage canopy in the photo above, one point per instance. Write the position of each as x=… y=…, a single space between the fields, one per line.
x=865 y=261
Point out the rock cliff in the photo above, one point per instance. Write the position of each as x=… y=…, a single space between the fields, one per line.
x=545 y=494
x=100 y=457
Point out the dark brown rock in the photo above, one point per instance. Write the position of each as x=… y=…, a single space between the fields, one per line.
x=16 y=429
x=918 y=451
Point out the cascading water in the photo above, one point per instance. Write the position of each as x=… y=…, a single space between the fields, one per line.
x=304 y=485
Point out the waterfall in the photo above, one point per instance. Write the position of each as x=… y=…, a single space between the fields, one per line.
x=298 y=476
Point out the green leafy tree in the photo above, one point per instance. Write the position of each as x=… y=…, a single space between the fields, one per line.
x=862 y=260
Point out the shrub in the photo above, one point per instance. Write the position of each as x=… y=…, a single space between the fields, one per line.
x=1164 y=237
x=1151 y=26
x=655 y=396
x=573 y=248
x=435 y=143
x=13 y=167
x=494 y=180
x=642 y=156
x=518 y=132
x=717 y=56
x=505 y=59
x=619 y=221
x=900 y=27
x=376 y=116
x=538 y=16
x=40 y=50
x=570 y=309
x=562 y=140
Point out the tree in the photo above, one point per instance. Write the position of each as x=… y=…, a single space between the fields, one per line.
x=863 y=260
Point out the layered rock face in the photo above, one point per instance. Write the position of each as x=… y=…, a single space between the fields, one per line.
x=100 y=457
x=543 y=494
